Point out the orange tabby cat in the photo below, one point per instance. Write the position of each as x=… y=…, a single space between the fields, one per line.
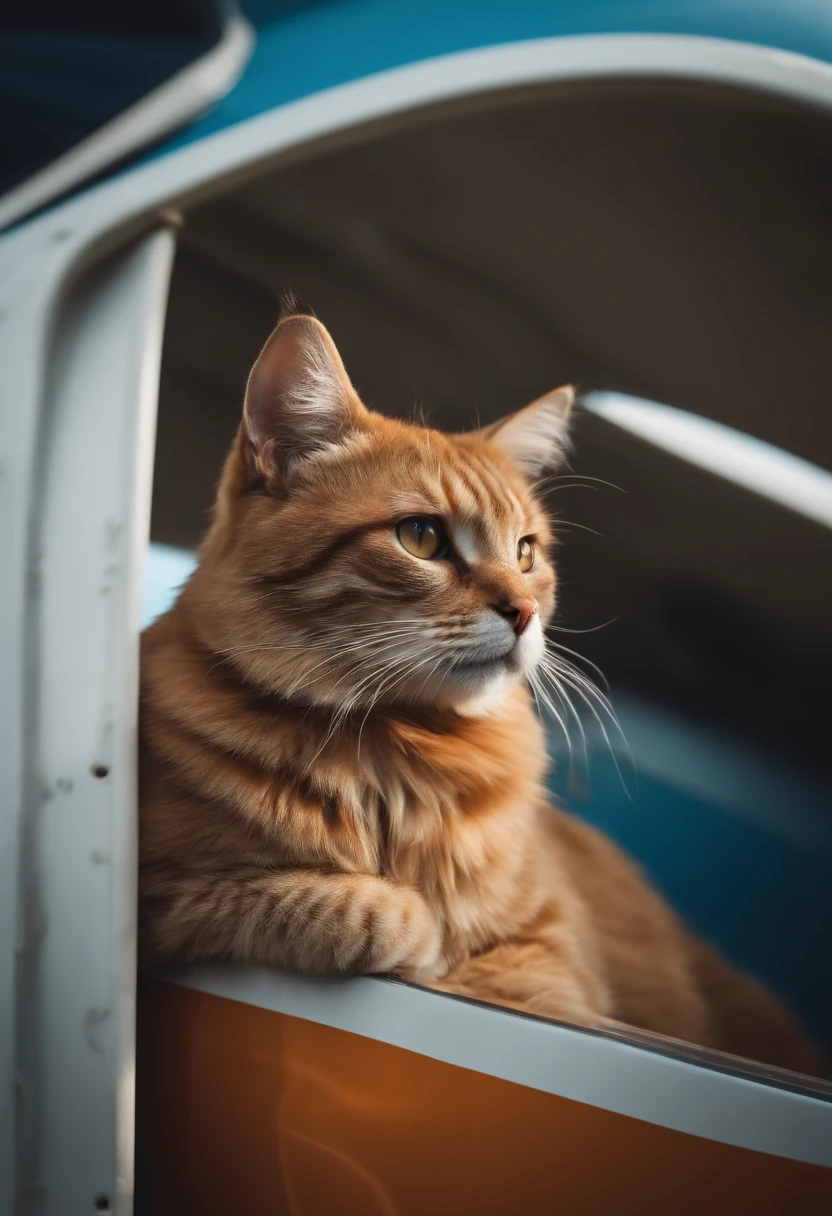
x=341 y=767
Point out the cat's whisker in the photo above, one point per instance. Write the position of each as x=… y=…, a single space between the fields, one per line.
x=303 y=676
x=410 y=670
x=559 y=646
x=560 y=691
x=339 y=716
x=568 y=702
x=338 y=655
x=399 y=620
x=539 y=693
x=570 y=523
x=548 y=488
x=269 y=647
x=564 y=668
x=418 y=626
x=593 y=629
x=349 y=703
x=390 y=666
x=579 y=683
x=393 y=667
x=567 y=480
x=435 y=624
x=391 y=681
x=589 y=694
x=298 y=646
x=533 y=685
x=233 y=651
x=357 y=694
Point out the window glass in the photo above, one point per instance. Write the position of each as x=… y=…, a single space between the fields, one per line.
x=66 y=70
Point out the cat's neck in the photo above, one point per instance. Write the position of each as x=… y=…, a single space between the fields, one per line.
x=397 y=793
x=206 y=694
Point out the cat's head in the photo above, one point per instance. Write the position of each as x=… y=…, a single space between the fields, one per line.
x=355 y=559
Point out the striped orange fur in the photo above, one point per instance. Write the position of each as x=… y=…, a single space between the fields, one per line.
x=341 y=768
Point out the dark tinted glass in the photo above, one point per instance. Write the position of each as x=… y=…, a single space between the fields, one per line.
x=66 y=69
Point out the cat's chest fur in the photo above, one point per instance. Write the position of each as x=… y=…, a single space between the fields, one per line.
x=452 y=808
x=446 y=804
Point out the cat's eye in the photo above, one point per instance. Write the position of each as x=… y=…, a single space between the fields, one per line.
x=422 y=537
x=525 y=554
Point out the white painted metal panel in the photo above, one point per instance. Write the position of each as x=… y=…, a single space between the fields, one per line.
x=89 y=506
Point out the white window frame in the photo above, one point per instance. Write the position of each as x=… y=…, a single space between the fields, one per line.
x=79 y=471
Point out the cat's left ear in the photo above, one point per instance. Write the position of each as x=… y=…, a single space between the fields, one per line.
x=536 y=437
x=299 y=399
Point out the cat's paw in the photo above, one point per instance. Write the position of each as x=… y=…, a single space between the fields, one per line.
x=424 y=961
x=407 y=937
x=423 y=973
x=425 y=964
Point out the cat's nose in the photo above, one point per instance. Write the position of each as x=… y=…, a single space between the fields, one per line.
x=518 y=610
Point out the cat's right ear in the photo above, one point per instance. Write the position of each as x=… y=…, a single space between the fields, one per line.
x=299 y=400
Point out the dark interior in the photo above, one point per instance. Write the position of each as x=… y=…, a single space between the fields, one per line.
x=66 y=70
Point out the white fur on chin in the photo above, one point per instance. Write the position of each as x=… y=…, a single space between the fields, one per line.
x=489 y=698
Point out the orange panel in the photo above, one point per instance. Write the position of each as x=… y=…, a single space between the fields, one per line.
x=246 y=1112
